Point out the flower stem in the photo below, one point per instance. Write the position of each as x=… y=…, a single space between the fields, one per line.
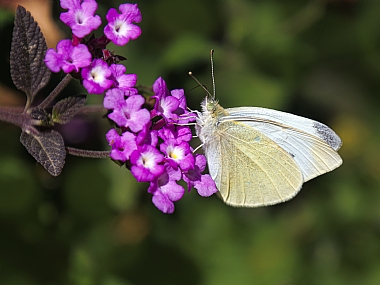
x=56 y=91
x=88 y=153
x=9 y=115
x=91 y=109
x=13 y=110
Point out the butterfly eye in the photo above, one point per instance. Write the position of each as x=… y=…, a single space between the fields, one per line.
x=210 y=106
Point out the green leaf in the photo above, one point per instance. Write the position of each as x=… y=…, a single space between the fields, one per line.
x=47 y=148
x=66 y=109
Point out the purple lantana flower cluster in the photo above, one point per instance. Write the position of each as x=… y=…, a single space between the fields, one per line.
x=152 y=141
x=88 y=59
x=155 y=144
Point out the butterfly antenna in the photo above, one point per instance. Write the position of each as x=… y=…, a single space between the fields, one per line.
x=201 y=85
x=212 y=73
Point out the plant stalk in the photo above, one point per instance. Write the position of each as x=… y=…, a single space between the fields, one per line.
x=9 y=115
x=64 y=82
x=88 y=153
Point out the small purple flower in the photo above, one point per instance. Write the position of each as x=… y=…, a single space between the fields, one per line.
x=166 y=107
x=147 y=136
x=205 y=186
x=146 y=163
x=184 y=134
x=178 y=133
x=125 y=82
x=114 y=99
x=95 y=77
x=122 y=146
x=130 y=115
x=202 y=182
x=165 y=191
x=162 y=202
x=159 y=88
x=80 y=17
x=168 y=132
x=184 y=116
x=174 y=174
x=67 y=57
x=178 y=155
x=165 y=104
x=120 y=28
x=180 y=95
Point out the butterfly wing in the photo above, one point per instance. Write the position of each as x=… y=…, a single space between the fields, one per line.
x=250 y=169
x=312 y=145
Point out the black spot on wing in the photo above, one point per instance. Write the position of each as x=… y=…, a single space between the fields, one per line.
x=328 y=135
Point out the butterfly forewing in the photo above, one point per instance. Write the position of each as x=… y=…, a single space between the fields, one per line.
x=312 y=144
x=250 y=169
x=303 y=124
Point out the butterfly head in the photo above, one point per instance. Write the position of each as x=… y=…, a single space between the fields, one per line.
x=209 y=104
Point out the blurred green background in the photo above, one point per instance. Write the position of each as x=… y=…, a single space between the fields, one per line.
x=94 y=225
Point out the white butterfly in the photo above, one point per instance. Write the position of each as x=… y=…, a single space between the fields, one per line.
x=259 y=156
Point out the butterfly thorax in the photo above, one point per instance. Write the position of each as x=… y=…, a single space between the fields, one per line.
x=208 y=120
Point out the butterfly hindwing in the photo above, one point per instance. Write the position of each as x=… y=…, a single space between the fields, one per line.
x=250 y=169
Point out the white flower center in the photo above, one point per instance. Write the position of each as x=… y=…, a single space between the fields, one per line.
x=147 y=159
x=97 y=74
x=175 y=153
x=121 y=28
x=79 y=17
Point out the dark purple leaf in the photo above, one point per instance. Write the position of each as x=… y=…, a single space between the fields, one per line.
x=66 y=109
x=28 y=70
x=47 y=148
